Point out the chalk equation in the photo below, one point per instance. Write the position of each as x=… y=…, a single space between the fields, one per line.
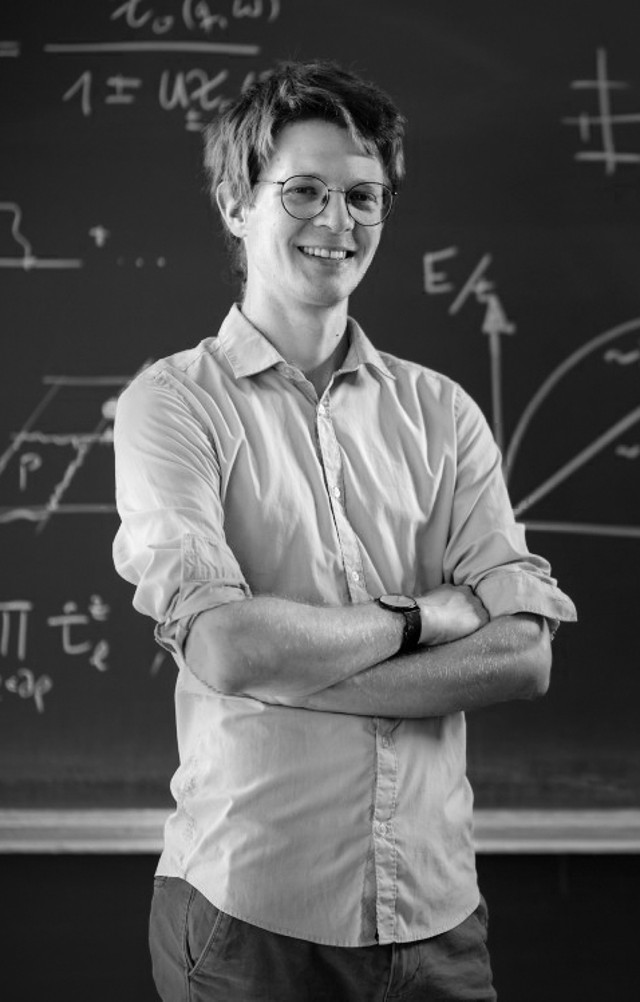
x=602 y=127
x=194 y=29
x=617 y=349
x=72 y=635
x=194 y=15
x=195 y=92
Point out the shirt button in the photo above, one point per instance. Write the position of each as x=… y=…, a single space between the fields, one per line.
x=385 y=742
x=381 y=828
x=336 y=492
x=355 y=576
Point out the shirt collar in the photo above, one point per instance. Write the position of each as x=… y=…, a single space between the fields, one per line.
x=249 y=352
x=362 y=352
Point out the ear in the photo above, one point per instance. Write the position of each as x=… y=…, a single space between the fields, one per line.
x=232 y=210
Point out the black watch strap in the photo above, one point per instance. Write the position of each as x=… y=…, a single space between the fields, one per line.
x=410 y=609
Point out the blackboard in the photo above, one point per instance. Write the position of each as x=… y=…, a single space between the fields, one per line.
x=511 y=264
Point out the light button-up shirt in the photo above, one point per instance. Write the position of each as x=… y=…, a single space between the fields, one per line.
x=234 y=480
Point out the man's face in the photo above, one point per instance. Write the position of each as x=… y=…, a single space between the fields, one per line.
x=281 y=264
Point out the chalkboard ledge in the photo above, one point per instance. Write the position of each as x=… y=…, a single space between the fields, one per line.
x=496 y=831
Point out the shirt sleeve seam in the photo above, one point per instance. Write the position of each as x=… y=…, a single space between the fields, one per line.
x=163 y=377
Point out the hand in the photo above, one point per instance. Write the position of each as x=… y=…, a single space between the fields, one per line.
x=450 y=612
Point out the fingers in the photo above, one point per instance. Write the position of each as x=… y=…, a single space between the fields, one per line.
x=449 y=613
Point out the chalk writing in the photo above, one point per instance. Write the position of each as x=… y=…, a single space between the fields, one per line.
x=438 y=281
x=23 y=682
x=123 y=88
x=68 y=621
x=74 y=628
x=22 y=255
x=495 y=322
x=38 y=452
x=29 y=462
x=139 y=262
x=622 y=357
x=195 y=15
x=628 y=451
x=100 y=235
x=605 y=121
x=195 y=92
x=592 y=449
x=17 y=613
x=26 y=685
x=9 y=49
x=14 y=630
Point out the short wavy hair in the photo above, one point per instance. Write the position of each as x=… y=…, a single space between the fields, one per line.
x=241 y=141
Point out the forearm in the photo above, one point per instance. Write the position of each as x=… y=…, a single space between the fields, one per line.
x=278 y=650
x=509 y=658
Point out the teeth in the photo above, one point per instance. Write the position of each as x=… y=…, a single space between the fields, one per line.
x=335 y=255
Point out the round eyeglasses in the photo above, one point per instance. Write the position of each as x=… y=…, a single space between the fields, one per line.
x=304 y=196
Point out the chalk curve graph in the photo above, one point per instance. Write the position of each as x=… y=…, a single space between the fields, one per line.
x=553 y=379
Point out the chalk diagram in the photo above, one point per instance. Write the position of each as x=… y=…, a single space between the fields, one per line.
x=611 y=353
x=49 y=470
x=605 y=122
x=554 y=433
x=23 y=256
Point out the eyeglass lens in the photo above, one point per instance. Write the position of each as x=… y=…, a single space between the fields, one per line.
x=305 y=197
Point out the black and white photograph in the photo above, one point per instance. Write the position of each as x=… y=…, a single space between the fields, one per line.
x=319 y=500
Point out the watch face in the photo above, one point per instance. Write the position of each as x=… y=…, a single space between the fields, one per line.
x=398 y=601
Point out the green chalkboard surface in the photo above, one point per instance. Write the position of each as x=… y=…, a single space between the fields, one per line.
x=511 y=263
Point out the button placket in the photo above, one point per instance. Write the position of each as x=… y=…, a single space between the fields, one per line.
x=385 y=853
x=331 y=459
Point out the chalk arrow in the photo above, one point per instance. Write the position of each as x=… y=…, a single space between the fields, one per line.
x=495 y=319
x=495 y=324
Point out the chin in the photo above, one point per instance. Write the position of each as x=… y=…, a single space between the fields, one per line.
x=328 y=302
x=331 y=295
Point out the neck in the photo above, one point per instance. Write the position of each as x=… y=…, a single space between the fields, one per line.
x=314 y=340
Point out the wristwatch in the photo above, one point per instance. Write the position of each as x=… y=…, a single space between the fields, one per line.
x=412 y=618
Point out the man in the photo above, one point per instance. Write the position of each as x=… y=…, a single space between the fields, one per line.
x=323 y=535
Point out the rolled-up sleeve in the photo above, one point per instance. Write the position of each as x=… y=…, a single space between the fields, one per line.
x=487 y=548
x=171 y=542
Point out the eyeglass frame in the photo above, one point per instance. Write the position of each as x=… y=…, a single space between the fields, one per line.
x=343 y=191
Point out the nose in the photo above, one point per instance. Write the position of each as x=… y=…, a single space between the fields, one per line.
x=335 y=214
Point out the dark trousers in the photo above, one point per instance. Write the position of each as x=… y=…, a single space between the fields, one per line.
x=201 y=954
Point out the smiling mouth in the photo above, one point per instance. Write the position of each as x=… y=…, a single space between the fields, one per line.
x=327 y=253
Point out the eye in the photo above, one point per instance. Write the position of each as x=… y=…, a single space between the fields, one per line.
x=367 y=199
x=360 y=196
x=303 y=188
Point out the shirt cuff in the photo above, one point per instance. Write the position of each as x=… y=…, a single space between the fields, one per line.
x=509 y=591
x=188 y=604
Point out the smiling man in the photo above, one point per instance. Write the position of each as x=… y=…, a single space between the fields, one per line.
x=322 y=533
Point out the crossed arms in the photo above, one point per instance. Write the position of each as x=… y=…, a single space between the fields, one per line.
x=331 y=658
x=341 y=659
